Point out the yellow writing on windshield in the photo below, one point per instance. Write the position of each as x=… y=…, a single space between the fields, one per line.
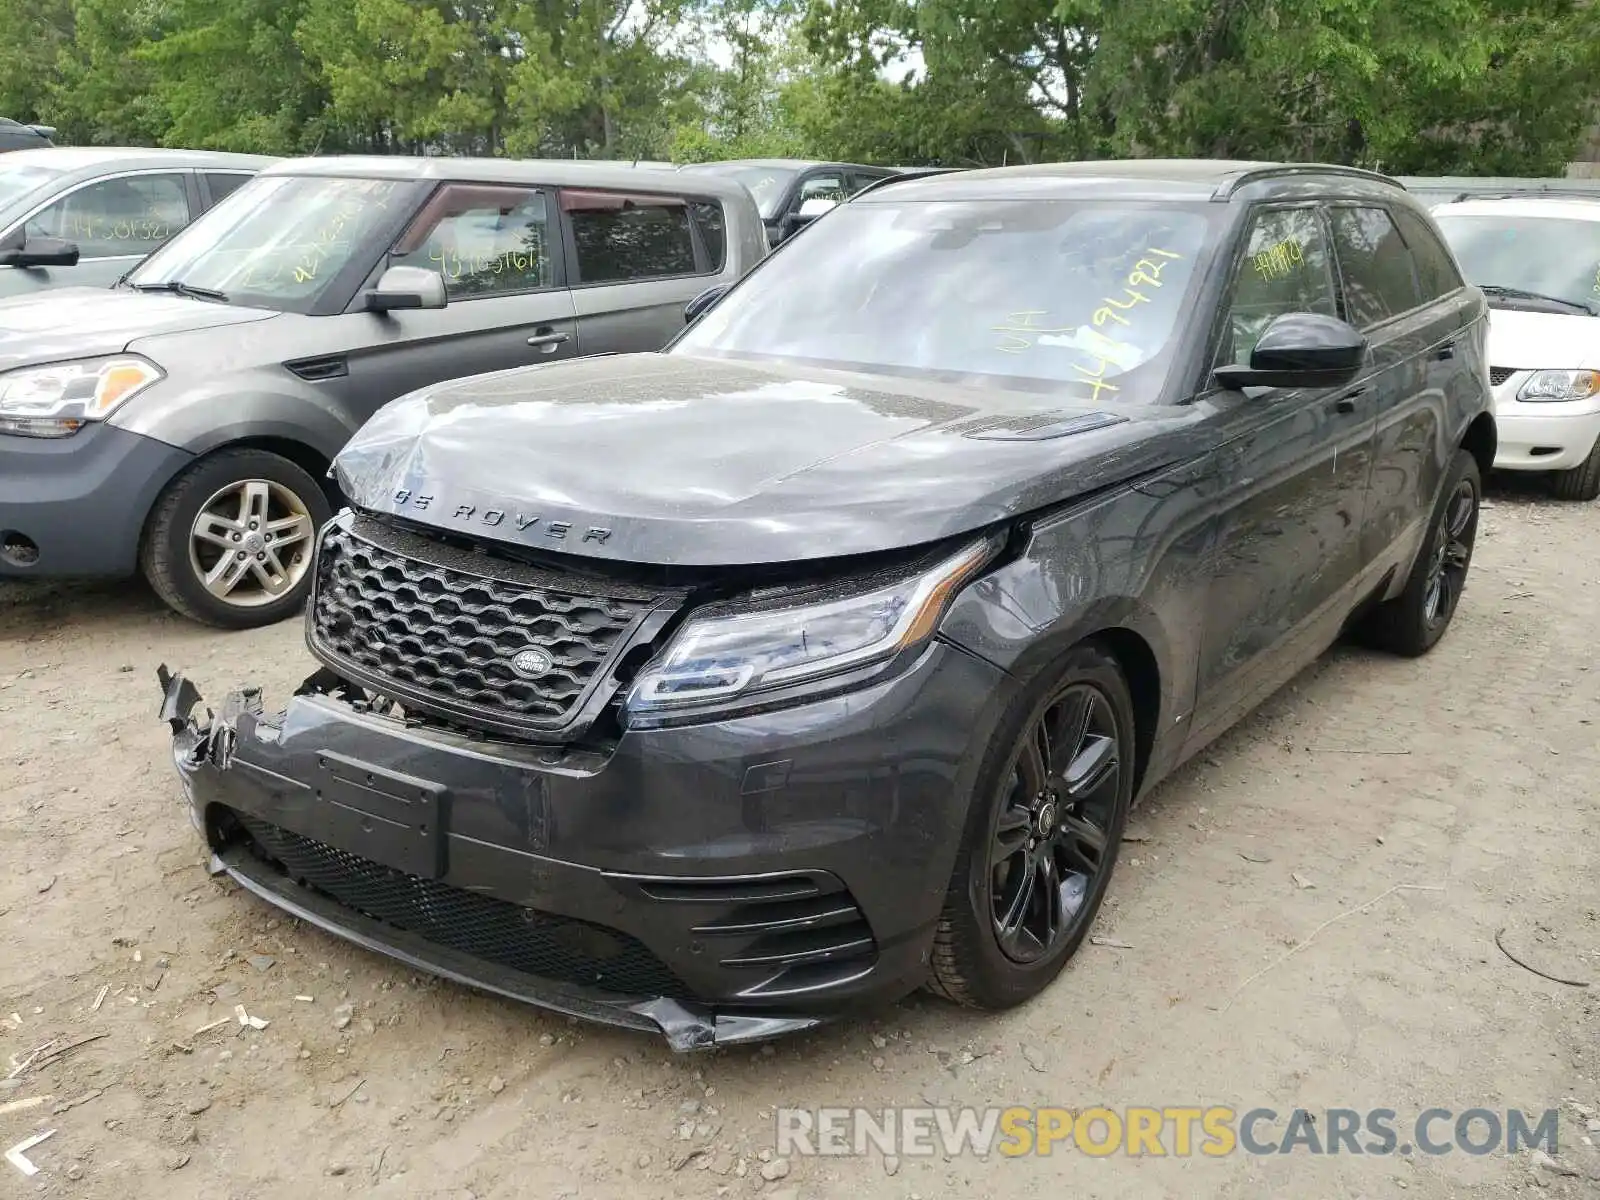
x=1096 y=378
x=1022 y=327
x=1280 y=261
x=1146 y=272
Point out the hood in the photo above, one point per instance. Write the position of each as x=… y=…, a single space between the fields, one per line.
x=1544 y=341
x=84 y=322
x=660 y=458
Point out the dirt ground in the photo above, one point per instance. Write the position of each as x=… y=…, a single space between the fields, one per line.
x=1472 y=771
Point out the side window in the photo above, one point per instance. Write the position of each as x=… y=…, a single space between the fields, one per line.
x=860 y=179
x=485 y=240
x=1436 y=269
x=128 y=216
x=1286 y=268
x=224 y=185
x=623 y=237
x=827 y=187
x=709 y=220
x=1379 y=278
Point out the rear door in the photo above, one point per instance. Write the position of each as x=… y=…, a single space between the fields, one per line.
x=637 y=259
x=498 y=248
x=115 y=221
x=1414 y=343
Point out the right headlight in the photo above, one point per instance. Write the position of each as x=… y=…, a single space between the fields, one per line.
x=739 y=656
x=1555 y=386
x=57 y=399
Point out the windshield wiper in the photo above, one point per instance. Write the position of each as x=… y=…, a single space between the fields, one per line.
x=178 y=287
x=1511 y=293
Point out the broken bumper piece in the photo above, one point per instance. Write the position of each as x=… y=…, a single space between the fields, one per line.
x=643 y=884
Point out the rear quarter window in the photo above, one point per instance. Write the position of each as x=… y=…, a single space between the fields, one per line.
x=620 y=238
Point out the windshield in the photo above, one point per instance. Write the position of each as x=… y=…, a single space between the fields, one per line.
x=766 y=184
x=1554 y=256
x=20 y=180
x=1045 y=296
x=280 y=241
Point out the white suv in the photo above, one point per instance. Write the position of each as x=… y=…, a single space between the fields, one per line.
x=1538 y=261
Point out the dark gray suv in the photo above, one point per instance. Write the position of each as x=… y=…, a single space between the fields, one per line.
x=183 y=423
x=823 y=656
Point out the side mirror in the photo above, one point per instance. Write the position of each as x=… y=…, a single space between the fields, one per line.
x=697 y=307
x=814 y=207
x=1300 y=350
x=41 y=252
x=407 y=287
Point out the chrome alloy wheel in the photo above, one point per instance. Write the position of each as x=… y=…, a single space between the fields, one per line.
x=251 y=543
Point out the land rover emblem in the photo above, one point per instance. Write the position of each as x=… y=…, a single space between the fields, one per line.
x=531 y=664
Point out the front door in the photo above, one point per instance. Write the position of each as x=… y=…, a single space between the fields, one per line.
x=498 y=248
x=1294 y=465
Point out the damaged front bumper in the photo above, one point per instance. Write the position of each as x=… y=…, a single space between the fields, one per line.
x=688 y=882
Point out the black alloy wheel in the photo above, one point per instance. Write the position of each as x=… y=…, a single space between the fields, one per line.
x=1452 y=554
x=1412 y=623
x=1052 y=798
x=1048 y=847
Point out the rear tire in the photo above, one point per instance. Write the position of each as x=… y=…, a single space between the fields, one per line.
x=1413 y=622
x=1041 y=838
x=1582 y=482
x=229 y=543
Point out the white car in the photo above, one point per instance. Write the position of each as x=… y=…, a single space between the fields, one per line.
x=1538 y=261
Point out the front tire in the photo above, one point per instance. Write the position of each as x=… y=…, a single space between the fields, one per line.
x=1042 y=836
x=1582 y=482
x=230 y=541
x=1413 y=622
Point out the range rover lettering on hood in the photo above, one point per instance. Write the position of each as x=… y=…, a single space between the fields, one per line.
x=663 y=459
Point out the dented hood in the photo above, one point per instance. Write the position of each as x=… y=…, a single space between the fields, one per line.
x=662 y=458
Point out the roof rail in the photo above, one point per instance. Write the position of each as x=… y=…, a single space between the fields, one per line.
x=1231 y=185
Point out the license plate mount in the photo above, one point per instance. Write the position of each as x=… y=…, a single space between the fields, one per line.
x=393 y=819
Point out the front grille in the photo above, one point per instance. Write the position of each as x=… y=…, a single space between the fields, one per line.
x=438 y=628
x=1498 y=375
x=520 y=939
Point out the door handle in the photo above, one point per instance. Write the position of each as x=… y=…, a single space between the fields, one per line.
x=548 y=341
x=1347 y=402
x=1446 y=351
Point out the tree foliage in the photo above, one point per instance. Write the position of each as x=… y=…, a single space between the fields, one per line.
x=1425 y=86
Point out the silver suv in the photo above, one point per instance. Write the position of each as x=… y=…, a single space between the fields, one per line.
x=182 y=423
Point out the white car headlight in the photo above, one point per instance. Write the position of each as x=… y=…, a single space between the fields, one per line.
x=57 y=400
x=1560 y=385
x=746 y=655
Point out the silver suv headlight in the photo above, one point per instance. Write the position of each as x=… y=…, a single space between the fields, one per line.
x=1556 y=386
x=58 y=399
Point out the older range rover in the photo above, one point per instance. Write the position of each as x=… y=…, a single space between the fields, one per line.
x=722 y=690
x=182 y=423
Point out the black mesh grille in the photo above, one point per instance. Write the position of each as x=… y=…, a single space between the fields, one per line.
x=495 y=931
x=1498 y=375
x=429 y=623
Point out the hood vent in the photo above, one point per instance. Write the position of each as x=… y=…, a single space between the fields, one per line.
x=316 y=370
x=1040 y=427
